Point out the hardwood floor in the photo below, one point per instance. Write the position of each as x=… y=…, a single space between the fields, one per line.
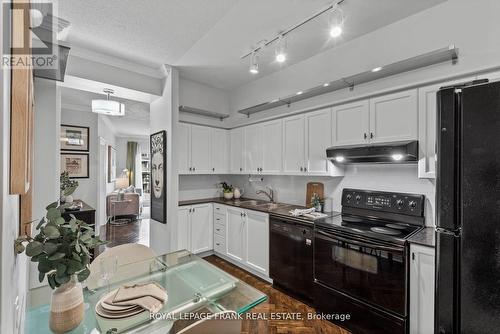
x=277 y=302
x=135 y=232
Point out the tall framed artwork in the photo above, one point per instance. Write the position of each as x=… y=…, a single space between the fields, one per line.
x=74 y=138
x=111 y=164
x=158 y=144
x=76 y=164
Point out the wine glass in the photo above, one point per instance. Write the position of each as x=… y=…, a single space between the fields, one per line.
x=108 y=268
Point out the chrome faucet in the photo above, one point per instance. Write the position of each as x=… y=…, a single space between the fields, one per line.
x=270 y=195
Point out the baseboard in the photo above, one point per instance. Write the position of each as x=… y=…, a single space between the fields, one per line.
x=246 y=268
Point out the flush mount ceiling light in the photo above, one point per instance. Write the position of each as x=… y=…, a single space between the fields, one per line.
x=280 y=52
x=254 y=63
x=337 y=22
x=108 y=107
x=376 y=69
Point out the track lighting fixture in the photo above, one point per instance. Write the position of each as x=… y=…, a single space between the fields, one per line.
x=280 y=52
x=337 y=22
x=254 y=63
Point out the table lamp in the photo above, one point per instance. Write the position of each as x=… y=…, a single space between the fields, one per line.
x=121 y=183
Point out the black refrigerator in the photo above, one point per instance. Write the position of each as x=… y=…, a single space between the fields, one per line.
x=468 y=209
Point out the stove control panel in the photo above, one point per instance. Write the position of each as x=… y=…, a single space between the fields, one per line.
x=401 y=203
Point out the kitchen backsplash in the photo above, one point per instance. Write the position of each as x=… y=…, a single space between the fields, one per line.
x=292 y=189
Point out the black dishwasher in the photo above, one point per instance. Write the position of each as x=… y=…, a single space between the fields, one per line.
x=291 y=256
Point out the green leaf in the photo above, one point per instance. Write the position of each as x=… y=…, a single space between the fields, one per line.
x=82 y=275
x=51 y=232
x=62 y=279
x=34 y=248
x=19 y=247
x=52 y=280
x=60 y=269
x=40 y=223
x=53 y=214
x=76 y=257
x=59 y=221
x=50 y=247
x=38 y=257
x=69 y=191
x=85 y=250
x=73 y=225
x=74 y=266
x=51 y=206
x=56 y=256
x=41 y=276
x=44 y=266
x=78 y=248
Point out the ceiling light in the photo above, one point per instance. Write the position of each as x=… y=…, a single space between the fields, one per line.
x=300 y=92
x=280 y=51
x=108 y=107
x=397 y=157
x=254 y=64
x=376 y=69
x=339 y=158
x=337 y=22
x=326 y=84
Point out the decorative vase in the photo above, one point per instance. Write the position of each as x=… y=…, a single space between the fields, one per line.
x=69 y=199
x=238 y=193
x=66 y=307
x=228 y=195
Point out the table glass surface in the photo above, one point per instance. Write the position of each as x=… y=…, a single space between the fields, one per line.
x=191 y=283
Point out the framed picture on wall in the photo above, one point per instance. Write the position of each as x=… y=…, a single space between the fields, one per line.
x=158 y=144
x=74 y=138
x=111 y=164
x=76 y=164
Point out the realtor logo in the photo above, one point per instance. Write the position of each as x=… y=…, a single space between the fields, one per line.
x=28 y=35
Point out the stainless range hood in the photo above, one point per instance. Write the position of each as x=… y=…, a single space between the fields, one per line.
x=393 y=153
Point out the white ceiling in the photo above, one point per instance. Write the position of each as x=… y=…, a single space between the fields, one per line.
x=134 y=123
x=205 y=39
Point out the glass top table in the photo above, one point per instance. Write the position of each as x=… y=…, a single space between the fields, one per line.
x=192 y=284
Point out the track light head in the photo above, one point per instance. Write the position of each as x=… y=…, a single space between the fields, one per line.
x=337 y=22
x=254 y=63
x=280 y=52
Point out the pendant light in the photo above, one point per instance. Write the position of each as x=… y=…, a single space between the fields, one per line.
x=280 y=51
x=108 y=107
x=337 y=22
x=254 y=63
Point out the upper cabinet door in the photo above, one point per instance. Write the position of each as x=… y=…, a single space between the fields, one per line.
x=427 y=106
x=394 y=117
x=200 y=149
x=253 y=148
x=236 y=165
x=220 y=151
x=294 y=144
x=272 y=148
x=350 y=123
x=319 y=138
x=184 y=148
x=201 y=228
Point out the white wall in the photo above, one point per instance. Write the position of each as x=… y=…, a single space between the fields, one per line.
x=87 y=188
x=107 y=133
x=397 y=178
x=13 y=269
x=200 y=186
x=164 y=112
x=471 y=25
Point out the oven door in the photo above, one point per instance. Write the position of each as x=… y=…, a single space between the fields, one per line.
x=368 y=270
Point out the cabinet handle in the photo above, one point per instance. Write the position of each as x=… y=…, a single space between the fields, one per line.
x=213 y=169
x=190 y=169
x=413 y=256
x=218 y=244
x=305 y=169
x=365 y=135
x=194 y=169
x=371 y=135
x=193 y=210
x=241 y=169
x=217 y=229
x=301 y=169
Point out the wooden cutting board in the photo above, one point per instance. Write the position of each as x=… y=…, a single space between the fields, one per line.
x=314 y=187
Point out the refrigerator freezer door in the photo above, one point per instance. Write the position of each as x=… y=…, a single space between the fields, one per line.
x=447 y=283
x=480 y=209
x=447 y=166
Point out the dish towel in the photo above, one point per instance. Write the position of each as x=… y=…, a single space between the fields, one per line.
x=149 y=296
x=301 y=212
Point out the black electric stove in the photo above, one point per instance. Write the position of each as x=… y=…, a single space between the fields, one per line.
x=361 y=260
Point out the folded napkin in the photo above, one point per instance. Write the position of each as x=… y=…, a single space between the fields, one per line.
x=301 y=212
x=149 y=296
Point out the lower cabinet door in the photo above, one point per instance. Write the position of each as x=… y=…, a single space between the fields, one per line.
x=422 y=285
x=183 y=215
x=201 y=228
x=257 y=241
x=235 y=232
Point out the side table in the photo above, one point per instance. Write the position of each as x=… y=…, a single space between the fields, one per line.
x=121 y=221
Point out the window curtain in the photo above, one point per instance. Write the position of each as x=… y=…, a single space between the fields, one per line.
x=131 y=161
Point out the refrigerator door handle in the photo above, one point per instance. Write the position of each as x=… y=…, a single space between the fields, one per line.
x=455 y=233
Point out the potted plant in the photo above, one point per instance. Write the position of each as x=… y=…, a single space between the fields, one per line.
x=67 y=188
x=227 y=190
x=62 y=250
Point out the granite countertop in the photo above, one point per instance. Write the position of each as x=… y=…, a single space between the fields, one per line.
x=282 y=211
x=425 y=237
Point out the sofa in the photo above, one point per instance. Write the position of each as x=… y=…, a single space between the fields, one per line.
x=129 y=208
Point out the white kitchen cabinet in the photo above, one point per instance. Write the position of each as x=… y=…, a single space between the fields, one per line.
x=237 y=163
x=194 y=149
x=318 y=139
x=200 y=149
x=219 y=160
x=294 y=145
x=195 y=228
x=183 y=218
x=422 y=289
x=351 y=123
x=394 y=117
x=235 y=234
x=253 y=149
x=257 y=241
x=272 y=147
x=184 y=148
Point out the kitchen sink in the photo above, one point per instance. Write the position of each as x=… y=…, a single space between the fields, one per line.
x=272 y=206
x=247 y=202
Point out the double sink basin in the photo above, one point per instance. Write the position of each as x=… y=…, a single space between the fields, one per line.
x=258 y=205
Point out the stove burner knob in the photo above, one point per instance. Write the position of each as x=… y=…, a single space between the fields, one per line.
x=358 y=198
x=348 y=197
x=400 y=203
x=412 y=204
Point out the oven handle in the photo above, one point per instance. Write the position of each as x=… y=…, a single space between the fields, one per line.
x=362 y=244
